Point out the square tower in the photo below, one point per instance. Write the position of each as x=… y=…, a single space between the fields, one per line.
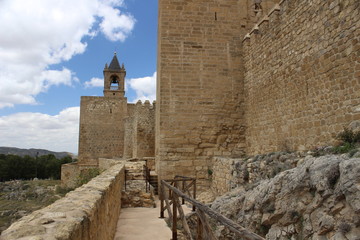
x=102 y=118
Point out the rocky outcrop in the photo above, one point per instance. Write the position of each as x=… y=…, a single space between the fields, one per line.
x=318 y=199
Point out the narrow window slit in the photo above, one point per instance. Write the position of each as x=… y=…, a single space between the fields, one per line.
x=215 y=16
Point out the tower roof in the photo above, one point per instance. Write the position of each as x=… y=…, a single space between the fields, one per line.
x=114 y=65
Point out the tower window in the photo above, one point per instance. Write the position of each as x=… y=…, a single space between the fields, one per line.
x=114 y=83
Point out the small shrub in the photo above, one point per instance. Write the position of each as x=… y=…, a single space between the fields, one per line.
x=346 y=147
x=210 y=172
x=86 y=175
x=349 y=136
x=294 y=215
x=344 y=228
x=246 y=175
x=62 y=190
x=264 y=229
x=352 y=152
x=349 y=139
x=333 y=176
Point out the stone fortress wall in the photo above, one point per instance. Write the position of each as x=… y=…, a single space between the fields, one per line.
x=200 y=98
x=90 y=212
x=302 y=75
x=140 y=130
x=101 y=128
x=291 y=84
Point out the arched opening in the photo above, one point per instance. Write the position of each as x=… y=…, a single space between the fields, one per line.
x=114 y=82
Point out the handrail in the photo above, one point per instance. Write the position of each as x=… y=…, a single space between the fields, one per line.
x=201 y=209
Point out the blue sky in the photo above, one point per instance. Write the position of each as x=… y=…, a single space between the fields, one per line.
x=51 y=53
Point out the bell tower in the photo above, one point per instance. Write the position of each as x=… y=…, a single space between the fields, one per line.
x=114 y=79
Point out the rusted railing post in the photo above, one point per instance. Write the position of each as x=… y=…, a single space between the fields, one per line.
x=199 y=234
x=162 y=196
x=194 y=195
x=145 y=177
x=174 y=220
x=183 y=188
x=125 y=178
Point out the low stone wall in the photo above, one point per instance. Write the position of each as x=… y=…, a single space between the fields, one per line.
x=89 y=212
x=69 y=174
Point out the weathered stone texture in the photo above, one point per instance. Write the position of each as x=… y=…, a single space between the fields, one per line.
x=302 y=78
x=101 y=128
x=230 y=173
x=144 y=130
x=319 y=199
x=200 y=83
x=89 y=212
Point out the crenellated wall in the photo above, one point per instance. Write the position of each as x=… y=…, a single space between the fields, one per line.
x=90 y=212
x=139 y=138
x=302 y=75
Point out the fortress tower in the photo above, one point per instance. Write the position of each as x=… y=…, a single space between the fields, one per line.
x=200 y=81
x=110 y=127
x=102 y=118
x=114 y=79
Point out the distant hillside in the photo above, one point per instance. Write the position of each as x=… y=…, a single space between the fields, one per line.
x=33 y=152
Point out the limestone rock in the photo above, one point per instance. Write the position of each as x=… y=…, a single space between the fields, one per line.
x=319 y=199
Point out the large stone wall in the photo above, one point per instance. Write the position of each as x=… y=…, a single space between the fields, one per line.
x=90 y=212
x=200 y=83
x=302 y=81
x=101 y=128
x=140 y=130
x=144 y=130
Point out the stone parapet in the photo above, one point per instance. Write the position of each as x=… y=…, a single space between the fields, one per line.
x=89 y=212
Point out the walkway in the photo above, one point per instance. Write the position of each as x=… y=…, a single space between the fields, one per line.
x=142 y=223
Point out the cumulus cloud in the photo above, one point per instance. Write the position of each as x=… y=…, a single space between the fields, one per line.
x=94 y=82
x=38 y=33
x=145 y=88
x=37 y=130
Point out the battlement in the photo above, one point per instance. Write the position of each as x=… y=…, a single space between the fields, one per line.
x=146 y=104
x=300 y=75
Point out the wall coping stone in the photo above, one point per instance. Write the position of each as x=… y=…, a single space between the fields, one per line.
x=77 y=214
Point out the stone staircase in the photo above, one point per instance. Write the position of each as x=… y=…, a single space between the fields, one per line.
x=135 y=192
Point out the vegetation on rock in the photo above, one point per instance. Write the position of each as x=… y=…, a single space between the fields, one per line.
x=20 y=198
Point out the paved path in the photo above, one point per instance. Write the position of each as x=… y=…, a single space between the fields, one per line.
x=142 y=223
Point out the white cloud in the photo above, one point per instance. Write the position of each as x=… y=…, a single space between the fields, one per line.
x=116 y=26
x=94 y=82
x=38 y=33
x=38 y=130
x=145 y=88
